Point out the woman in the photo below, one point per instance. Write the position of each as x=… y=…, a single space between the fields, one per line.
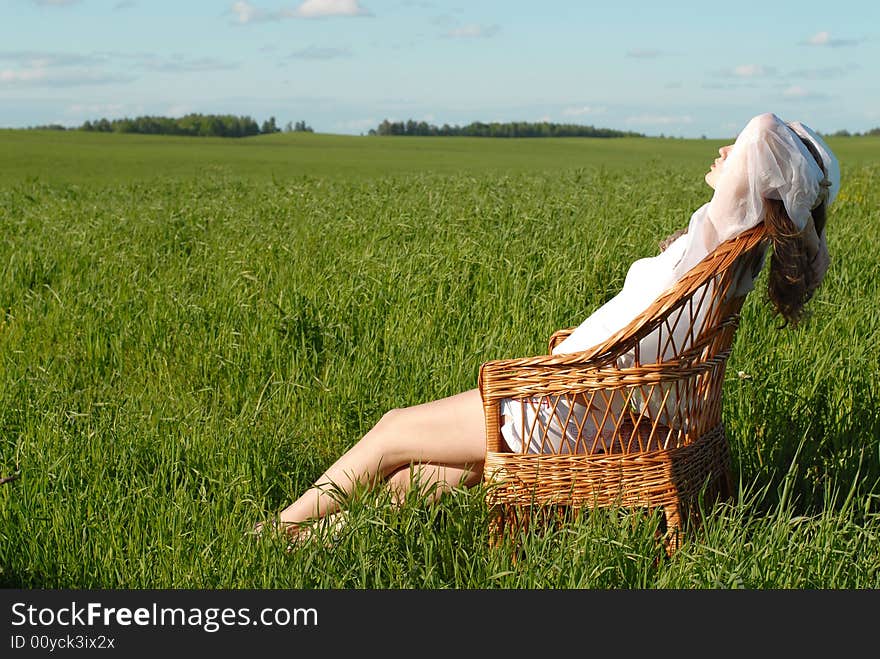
x=781 y=174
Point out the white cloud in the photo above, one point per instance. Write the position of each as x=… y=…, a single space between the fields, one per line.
x=644 y=53
x=747 y=71
x=819 y=39
x=318 y=53
x=322 y=8
x=45 y=76
x=659 y=119
x=824 y=39
x=179 y=110
x=41 y=59
x=179 y=64
x=27 y=75
x=827 y=73
x=246 y=13
x=96 y=108
x=357 y=124
x=801 y=93
x=750 y=71
x=70 y=69
x=473 y=31
x=582 y=110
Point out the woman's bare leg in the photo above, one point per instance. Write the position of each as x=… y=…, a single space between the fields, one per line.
x=432 y=480
x=448 y=433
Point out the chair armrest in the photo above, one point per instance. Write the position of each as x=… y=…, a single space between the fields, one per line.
x=558 y=337
x=547 y=375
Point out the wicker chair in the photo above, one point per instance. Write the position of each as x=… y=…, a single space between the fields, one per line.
x=650 y=433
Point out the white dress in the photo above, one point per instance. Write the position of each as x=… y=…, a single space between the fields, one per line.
x=759 y=166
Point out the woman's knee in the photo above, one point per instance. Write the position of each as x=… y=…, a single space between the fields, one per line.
x=387 y=437
x=391 y=421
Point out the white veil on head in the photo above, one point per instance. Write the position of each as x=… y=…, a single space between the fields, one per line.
x=768 y=161
x=829 y=160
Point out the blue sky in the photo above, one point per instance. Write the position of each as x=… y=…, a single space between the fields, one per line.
x=677 y=68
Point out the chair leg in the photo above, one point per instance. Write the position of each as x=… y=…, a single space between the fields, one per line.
x=672 y=539
x=497 y=523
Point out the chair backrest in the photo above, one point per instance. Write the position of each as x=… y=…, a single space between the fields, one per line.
x=672 y=357
x=655 y=384
x=695 y=308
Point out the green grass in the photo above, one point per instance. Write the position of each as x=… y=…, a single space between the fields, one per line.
x=85 y=158
x=192 y=330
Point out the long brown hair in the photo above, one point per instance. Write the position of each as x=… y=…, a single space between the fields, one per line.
x=792 y=280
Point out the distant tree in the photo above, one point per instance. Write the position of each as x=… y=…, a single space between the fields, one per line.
x=497 y=129
x=269 y=126
x=301 y=127
x=193 y=124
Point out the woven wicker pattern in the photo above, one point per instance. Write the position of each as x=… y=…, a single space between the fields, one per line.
x=641 y=430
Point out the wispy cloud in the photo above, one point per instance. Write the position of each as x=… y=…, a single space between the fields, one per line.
x=246 y=13
x=179 y=110
x=54 y=3
x=801 y=93
x=44 y=59
x=41 y=76
x=473 y=31
x=827 y=73
x=645 y=53
x=81 y=109
x=752 y=71
x=582 y=110
x=825 y=40
x=322 y=8
x=659 y=119
x=357 y=124
x=180 y=64
x=746 y=84
x=72 y=69
x=38 y=68
x=318 y=53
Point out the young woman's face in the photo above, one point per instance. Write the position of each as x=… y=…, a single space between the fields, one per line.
x=717 y=166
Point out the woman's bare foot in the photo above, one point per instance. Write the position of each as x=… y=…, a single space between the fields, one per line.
x=326 y=528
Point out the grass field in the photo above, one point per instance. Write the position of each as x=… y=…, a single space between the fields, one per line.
x=192 y=330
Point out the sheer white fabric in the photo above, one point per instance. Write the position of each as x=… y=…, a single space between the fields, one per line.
x=767 y=161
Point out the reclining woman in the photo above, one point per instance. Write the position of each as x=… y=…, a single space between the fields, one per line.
x=781 y=174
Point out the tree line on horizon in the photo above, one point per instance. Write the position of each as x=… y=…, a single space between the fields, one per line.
x=497 y=129
x=193 y=124
x=227 y=125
